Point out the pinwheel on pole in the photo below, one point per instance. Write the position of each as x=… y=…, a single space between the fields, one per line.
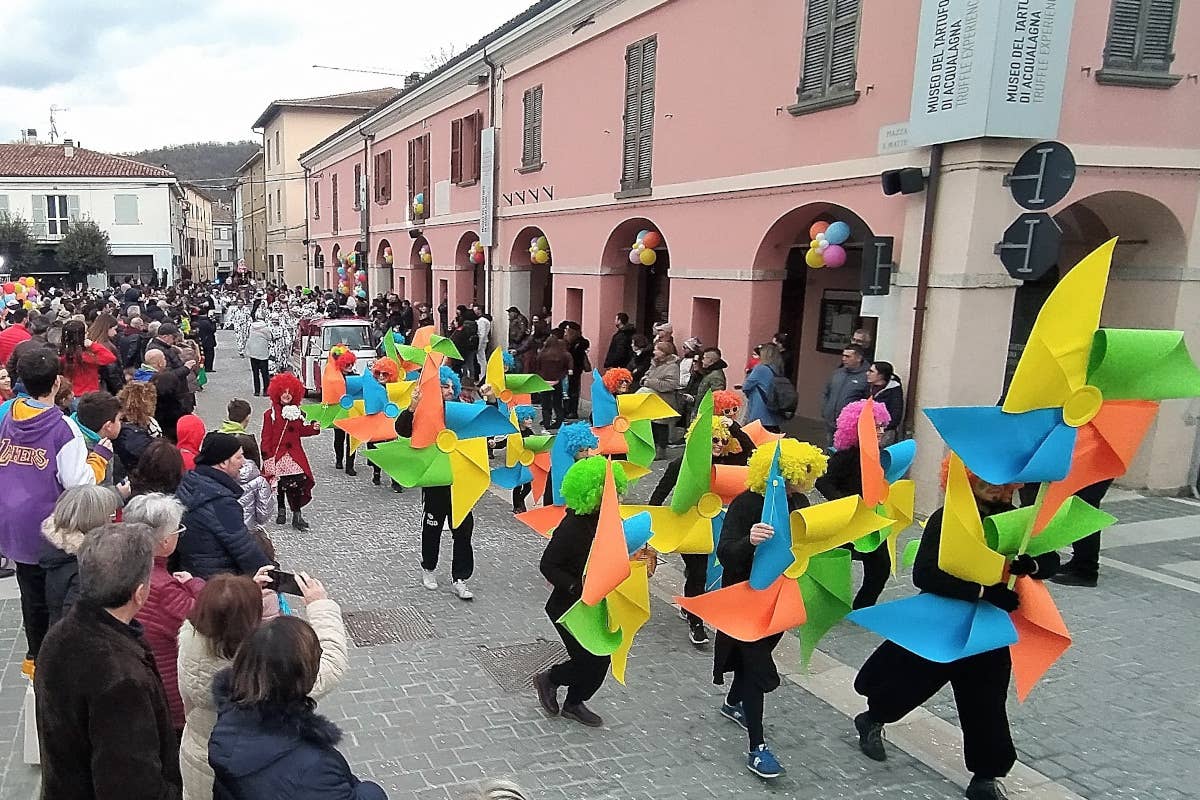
x=448 y=446
x=623 y=423
x=511 y=388
x=526 y=459
x=372 y=408
x=333 y=388
x=425 y=345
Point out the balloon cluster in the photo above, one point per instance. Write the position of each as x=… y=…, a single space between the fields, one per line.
x=387 y=255
x=642 y=251
x=825 y=249
x=539 y=250
x=349 y=277
x=475 y=253
x=22 y=290
x=426 y=254
x=418 y=204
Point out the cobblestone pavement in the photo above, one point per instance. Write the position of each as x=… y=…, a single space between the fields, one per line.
x=426 y=717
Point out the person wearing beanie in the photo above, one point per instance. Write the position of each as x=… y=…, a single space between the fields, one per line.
x=284 y=461
x=217 y=540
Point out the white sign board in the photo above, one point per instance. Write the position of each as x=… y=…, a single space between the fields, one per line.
x=893 y=139
x=989 y=68
x=487 y=185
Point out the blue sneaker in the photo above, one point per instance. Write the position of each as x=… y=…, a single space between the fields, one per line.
x=762 y=762
x=734 y=713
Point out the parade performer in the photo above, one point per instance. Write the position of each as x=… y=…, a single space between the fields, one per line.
x=751 y=662
x=725 y=450
x=284 y=461
x=728 y=403
x=562 y=564
x=896 y=681
x=525 y=415
x=343 y=357
x=843 y=478
x=386 y=370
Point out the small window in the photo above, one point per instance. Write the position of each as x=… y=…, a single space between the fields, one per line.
x=358 y=187
x=3 y=206
x=125 y=209
x=829 y=67
x=57 y=214
x=278 y=205
x=268 y=152
x=464 y=149
x=270 y=206
x=1140 y=45
x=316 y=199
x=531 y=143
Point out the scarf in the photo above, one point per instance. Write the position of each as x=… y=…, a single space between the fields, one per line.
x=231 y=427
x=88 y=434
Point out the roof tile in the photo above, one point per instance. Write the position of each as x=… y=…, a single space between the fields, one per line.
x=51 y=161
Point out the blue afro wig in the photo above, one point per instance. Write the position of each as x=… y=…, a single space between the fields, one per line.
x=583 y=485
x=447 y=375
x=525 y=412
x=510 y=361
x=575 y=437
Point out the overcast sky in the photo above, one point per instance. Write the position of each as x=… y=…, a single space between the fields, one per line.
x=142 y=73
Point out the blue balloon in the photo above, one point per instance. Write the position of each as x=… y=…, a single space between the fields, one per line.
x=642 y=235
x=837 y=233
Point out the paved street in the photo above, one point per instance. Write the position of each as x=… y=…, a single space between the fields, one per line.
x=440 y=702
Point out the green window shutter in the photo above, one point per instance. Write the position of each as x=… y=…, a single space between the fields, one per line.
x=1158 y=37
x=814 y=65
x=843 y=56
x=38 y=204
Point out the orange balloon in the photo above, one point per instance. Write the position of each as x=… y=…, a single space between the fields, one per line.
x=652 y=239
x=817 y=227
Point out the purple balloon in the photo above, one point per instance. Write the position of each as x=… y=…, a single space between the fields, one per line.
x=635 y=257
x=835 y=255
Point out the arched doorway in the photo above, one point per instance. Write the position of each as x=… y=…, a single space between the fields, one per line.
x=383 y=278
x=532 y=248
x=469 y=255
x=335 y=280
x=648 y=282
x=420 y=261
x=318 y=258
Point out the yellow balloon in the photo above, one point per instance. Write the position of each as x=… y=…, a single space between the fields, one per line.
x=814 y=244
x=648 y=257
x=541 y=257
x=30 y=282
x=814 y=258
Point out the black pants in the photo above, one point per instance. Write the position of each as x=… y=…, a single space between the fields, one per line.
x=375 y=468
x=341 y=448
x=751 y=696
x=262 y=374
x=35 y=612
x=289 y=491
x=209 y=352
x=552 y=405
x=895 y=682
x=582 y=673
x=662 y=434
x=519 y=493
x=437 y=509
x=1085 y=556
x=877 y=565
x=574 y=387
x=695 y=576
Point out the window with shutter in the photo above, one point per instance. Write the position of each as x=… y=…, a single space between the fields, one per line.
x=3 y=206
x=40 y=224
x=333 y=197
x=456 y=141
x=829 y=63
x=641 y=61
x=1139 y=48
x=474 y=145
x=316 y=200
x=418 y=173
x=358 y=187
x=531 y=142
x=125 y=209
x=423 y=174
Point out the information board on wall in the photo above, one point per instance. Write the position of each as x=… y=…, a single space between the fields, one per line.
x=487 y=185
x=989 y=68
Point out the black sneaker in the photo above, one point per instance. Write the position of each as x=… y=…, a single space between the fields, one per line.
x=1072 y=578
x=397 y=488
x=582 y=714
x=375 y=478
x=870 y=737
x=350 y=469
x=697 y=635
x=986 y=789
x=547 y=693
x=281 y=517
x=337 y=464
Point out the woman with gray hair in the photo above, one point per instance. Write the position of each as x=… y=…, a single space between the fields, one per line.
x=172 y=594
x=78 y=510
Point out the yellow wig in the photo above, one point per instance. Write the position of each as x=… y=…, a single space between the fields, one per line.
x=721 y=431
x=799 y=462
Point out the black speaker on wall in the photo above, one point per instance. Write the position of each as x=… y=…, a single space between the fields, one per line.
x=909 y=180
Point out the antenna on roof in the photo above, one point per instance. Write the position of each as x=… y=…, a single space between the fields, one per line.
x=353 y=69
x=53 y=122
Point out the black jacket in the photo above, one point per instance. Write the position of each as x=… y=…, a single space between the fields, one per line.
x=639 y=364
x=892 y=397
x=564 y=559
x=620 y=347
x=204 y=331
x=128 y=447
x=929 y=577
x=174 y=360
x=103 y=721
x=843 y=475
x=579 y=355
x=62 y=582
x=132 y=348
x=278 y=753
x=216 y=539
x=733 y=548
x=174 y=397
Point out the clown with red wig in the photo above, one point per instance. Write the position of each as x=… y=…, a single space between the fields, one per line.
x=284 y=461
x=343 y=453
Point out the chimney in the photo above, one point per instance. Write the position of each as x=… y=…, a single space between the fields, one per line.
x=68 y=148
x=412 y=79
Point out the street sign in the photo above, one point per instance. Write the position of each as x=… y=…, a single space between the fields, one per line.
x=877 y=266
x=1042 y=176
x=487 y=185
x=1030 y=246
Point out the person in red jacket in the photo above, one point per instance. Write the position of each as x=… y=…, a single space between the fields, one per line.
x=172 y=594
x=16 y=332
x=82 y=359
x=284 y=461
x=189 y=435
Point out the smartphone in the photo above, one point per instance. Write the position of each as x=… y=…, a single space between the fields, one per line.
x=285 y=582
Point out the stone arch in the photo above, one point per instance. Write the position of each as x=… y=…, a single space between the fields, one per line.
x=541 y=277
x=647 y=293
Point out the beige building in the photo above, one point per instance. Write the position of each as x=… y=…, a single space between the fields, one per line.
x=289 y=127
x=250 y=211
x=197 y=257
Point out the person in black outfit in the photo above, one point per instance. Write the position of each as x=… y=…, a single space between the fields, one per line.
x=343 y=453
x=726 y=449
x=578 y=346
x=620 y=347
x=205 y=334
x=752 y=665
x=1083 y=569
x=562 y=565
x=895 y=681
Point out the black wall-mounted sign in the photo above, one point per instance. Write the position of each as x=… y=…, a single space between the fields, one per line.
x=877 y=266
x=1030 y=246
x=1042 y=176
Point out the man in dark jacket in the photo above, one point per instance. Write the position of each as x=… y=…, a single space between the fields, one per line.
x=847 y=384
x=465 y=335
x=171 y=387
x=578 y=347
x=102 y=714
x=131 y=345
x=205 y=334
x=518 y=327
x=167 y=338
x=217 y=539
x=620 y=347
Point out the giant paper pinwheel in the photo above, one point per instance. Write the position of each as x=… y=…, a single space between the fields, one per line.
x=526 y=459
x=333 y=388
x=944 y=629
x=622 y=423
x=425 y=345
x=882 y=486
x=372 y=408
x=1081 y=400
x=770 y=601
x=615 y=602
x=511 y=388
x=448 y=446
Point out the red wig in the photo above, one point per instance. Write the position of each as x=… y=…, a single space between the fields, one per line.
x=975 y=481
x=726 y=400
x=614 y=376
x=386 y=370
x=343 y=357
x=285 y=383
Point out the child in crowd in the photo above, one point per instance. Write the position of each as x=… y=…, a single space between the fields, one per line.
x=189 y=435
x=236 y=415
x=285 y=463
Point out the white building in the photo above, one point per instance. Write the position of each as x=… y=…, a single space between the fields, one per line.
x=52 y=184
x=224 y=257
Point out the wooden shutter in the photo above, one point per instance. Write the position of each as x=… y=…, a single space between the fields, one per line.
x=817 y=37
x=357 y=187
x=412 y=170
x=456 y=159
x=531 y=144
x=646 y=124
x=38 y=204
x=334 y=199
x=73 y=207
x=476 y=143
x=1120 y=50
x=1158 y=35
x=385 y=186
x=641 y=59
x=316 y=200
x=1141 y=35
x=424 y=177
x=843 y=56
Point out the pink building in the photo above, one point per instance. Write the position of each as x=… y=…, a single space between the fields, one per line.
x=729 y=132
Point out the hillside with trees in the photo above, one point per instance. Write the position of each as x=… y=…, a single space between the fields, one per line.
x=201 y=161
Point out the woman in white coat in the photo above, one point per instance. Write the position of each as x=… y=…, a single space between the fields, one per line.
x=227 y=611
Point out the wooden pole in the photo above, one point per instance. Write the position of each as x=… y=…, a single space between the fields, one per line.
x=1037 y=509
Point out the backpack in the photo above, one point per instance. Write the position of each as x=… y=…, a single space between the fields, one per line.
x=782 y=397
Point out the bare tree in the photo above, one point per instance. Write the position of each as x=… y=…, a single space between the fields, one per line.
x=441 y=56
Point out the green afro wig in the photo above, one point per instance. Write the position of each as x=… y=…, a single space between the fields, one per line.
x=583 y=485
x=800 y=463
